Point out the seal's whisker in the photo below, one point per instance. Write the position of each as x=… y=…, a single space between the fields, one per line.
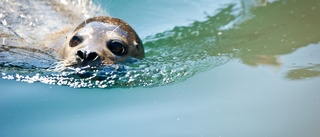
x=115 y=29
x=61 y=65
x=57 y=66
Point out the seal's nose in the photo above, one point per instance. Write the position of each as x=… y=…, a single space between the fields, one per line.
x=88 y=57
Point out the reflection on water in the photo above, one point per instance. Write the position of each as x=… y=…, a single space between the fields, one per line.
x=286 y=28
x=303 y=64
x=257 y=34
x=304 y=72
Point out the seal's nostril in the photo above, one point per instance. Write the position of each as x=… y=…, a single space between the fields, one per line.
x=81 y=54
x=92 y=56
x=87 y=55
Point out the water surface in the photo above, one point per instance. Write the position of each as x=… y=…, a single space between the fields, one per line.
x=251 y=70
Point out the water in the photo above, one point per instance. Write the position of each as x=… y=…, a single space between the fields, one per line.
x=253 y=70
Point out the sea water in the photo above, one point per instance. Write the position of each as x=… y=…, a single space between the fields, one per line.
x=231 y=68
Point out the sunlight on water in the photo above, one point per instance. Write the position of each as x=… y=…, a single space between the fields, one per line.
x=153 y=71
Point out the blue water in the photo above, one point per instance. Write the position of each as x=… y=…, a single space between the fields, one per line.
x=267 y=83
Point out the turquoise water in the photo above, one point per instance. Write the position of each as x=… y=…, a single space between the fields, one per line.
x=252 y=70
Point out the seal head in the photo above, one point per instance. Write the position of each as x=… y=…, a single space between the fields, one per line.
x=100 y=41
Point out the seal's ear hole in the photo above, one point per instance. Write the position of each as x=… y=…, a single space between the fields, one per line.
x=117 y=47
x=137 y=46
x=75 y=41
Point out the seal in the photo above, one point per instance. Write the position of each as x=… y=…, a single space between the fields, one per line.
x=98 y=41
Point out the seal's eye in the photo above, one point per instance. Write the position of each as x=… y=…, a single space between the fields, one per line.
x=116 y=47
x=75 y=41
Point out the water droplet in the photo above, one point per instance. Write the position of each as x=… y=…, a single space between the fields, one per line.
x=4 y=22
